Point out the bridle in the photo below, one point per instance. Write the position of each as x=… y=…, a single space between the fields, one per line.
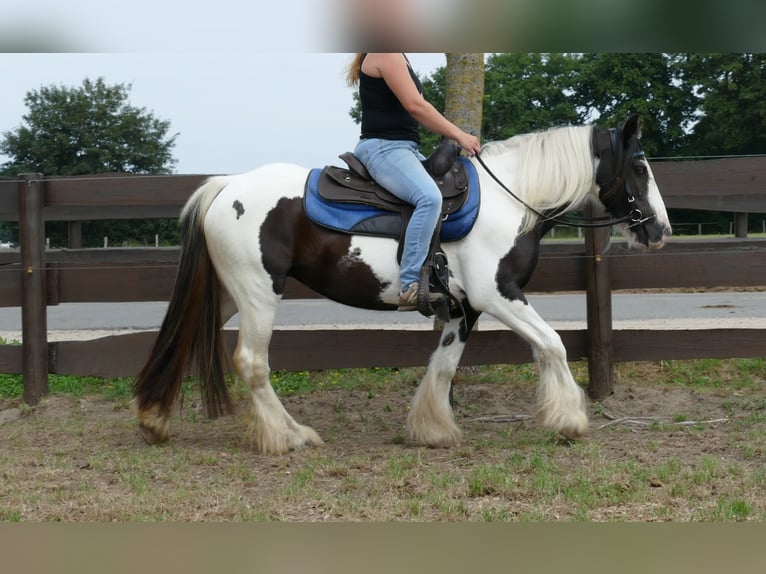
x=635 y=217
x=603 y=145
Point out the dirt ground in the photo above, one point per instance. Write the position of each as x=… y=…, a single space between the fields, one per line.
x=656 y=452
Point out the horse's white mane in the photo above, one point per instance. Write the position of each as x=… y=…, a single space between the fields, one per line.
x=553 y=168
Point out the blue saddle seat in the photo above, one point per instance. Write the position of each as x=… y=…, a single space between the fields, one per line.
x=363 y=219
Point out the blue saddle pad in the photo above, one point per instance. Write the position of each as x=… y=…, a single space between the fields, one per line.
x=367 y=220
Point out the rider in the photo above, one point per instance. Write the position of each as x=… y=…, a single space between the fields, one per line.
x=392 y=108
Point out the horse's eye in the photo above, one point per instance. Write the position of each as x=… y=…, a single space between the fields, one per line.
x=640 y=169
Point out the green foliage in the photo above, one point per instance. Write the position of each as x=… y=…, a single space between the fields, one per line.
x=434 y=91
x=124 y=232
x=691 y=104
x=528 y=92
x=86 y=130
x=91 y=129
x=731 y=91
x=303 y=382
x=12 y=386
x=717 y=373
x=611 y=87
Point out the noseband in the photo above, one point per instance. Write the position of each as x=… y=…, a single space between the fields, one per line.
x=635 y=217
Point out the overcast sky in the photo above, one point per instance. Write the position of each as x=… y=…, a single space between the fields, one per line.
x=246 y=83
x=232 y=111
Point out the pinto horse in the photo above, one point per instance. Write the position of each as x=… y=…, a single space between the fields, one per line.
x=244 y=235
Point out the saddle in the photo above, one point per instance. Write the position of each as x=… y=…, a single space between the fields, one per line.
x=354 y=185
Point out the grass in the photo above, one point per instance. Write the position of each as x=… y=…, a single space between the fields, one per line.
x=301 y=382
x=706 y=374
x=12 y=386
x=64 y=463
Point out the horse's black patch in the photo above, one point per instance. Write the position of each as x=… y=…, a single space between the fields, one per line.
x=515 y=269
x=277 y=241
x=470 y=316
x=448 y=340
x=323 y=260
x=239 y=208
x=354 y=257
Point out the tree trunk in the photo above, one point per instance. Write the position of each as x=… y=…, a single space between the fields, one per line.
x=463 y=101
x=464 y=96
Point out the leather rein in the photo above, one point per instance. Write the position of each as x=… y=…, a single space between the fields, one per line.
x=635 y=217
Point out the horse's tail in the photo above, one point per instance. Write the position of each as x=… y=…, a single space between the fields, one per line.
x=191 y=330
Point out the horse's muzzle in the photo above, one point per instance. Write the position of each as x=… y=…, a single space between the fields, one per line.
x=656 y=235
x=650 y=235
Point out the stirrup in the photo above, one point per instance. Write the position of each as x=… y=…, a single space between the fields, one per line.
x=433 y=292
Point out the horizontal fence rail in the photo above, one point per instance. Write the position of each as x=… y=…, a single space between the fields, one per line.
x=33 y=278
x=147 y=274
x=315 y=349
x=734 y=185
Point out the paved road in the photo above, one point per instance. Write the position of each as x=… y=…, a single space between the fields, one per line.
x=655 y=310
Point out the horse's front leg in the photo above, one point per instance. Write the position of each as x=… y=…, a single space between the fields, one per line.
x=560 y=401
x=431 y=421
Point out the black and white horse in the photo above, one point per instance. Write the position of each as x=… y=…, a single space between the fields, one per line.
x=244 y=235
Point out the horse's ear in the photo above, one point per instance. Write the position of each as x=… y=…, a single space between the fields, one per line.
x=631 y=128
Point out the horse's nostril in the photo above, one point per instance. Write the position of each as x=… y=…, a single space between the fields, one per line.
x=667 y=232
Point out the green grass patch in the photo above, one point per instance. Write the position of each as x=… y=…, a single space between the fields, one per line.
x=489 y=480
x=703 y=374
x=302 y=382
x=716 y=373
x=12 y=386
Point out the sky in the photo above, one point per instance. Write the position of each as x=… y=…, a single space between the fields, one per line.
x=245 y=83
x=232 y=111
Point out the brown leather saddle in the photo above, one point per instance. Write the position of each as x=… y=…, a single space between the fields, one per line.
x=354 y=185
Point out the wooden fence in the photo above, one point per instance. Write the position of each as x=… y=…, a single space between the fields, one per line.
x=34 y=278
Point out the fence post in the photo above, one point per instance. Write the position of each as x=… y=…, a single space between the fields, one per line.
x=74 y=235
x=740 y=225
x=599 y=309
x=34 y=327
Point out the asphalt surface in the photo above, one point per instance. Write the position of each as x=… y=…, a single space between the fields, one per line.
x=645 y=310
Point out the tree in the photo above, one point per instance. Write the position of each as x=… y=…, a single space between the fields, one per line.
x=528 y=92
x=611 y=87
x=87 y=130
x=464 y=99
x=691 y=104
x=731 y=96
x=91 y=129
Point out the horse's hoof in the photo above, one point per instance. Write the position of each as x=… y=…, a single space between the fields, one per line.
x=310 y=440
x=152 y=437
x=308 y=443
x=439 y=438
x=575 y=433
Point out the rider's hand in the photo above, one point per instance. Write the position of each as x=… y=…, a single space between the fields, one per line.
x=470 y=143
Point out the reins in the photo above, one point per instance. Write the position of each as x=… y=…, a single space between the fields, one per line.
x=635 y=217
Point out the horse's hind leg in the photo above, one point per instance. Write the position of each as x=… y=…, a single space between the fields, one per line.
x=430 y=420
x=272 y=429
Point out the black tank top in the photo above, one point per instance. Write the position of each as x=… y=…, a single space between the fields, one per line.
x=383 y=116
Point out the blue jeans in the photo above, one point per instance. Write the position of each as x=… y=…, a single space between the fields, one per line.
x=396 y=166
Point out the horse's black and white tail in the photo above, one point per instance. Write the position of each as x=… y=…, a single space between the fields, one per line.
x=190 y=337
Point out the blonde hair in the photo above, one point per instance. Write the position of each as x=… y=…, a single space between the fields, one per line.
x=352 y=72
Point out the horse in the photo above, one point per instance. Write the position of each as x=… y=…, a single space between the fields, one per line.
x=243 y=235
